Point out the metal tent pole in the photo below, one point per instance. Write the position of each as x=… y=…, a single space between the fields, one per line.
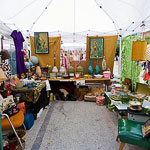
x=120 y=60
x=19 y=140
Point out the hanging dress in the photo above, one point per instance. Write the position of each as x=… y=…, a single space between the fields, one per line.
x=18 y=41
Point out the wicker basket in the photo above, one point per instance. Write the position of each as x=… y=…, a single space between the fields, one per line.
x=100 y=100
x=12 y=139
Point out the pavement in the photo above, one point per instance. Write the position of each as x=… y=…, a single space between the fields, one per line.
x=75 y=125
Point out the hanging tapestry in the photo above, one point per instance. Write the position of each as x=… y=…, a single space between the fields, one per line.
x=138 y=50
x=129 y=69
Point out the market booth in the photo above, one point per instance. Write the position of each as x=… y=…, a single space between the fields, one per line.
x=46 y=78
x=32 y=78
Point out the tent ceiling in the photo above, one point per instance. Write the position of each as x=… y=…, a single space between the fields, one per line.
x=81 y=17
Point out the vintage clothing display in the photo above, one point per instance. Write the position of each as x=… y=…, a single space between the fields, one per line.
x=18 y=41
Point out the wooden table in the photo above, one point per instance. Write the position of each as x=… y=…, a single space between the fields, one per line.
x=89 y=80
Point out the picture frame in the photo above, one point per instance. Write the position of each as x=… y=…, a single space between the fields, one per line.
x=41 y=42
x=96 y=47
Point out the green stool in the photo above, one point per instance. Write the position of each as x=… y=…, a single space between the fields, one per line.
x=130 y=132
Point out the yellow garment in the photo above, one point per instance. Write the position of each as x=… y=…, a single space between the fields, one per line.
x=48 y=59
x=138 y=50
x=110 y=43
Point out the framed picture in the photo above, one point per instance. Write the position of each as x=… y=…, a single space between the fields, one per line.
x=41 y=42
x=96 y=48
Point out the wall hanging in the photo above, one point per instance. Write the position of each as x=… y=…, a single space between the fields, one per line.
x=138 y=50
x=41 y=42
x=96 y=47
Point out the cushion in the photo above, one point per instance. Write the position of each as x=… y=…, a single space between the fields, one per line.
x=22 y=107
x=146 y=129
x=28 y=120
x=17 y=121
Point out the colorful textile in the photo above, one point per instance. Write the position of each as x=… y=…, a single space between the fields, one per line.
x=30 y=95
x=130 y=69
x=12 y=63
x=18 y=40
x=6 y=68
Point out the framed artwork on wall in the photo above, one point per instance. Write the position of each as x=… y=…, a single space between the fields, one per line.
x=96 y=47
x=41 y=42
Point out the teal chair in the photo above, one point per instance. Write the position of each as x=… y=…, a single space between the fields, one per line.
x=130 y=132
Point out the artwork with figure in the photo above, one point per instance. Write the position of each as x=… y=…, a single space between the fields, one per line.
x=96 y=47
x=41 y=42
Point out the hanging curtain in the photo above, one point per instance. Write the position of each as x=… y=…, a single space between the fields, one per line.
x=130 y=69
x=138 y=50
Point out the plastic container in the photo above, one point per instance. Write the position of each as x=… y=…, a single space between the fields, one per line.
x=100 y=100
x=107 y=74
x=51 y=97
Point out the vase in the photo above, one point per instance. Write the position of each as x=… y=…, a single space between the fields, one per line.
x=70 y=69
x=38 y=71
x=62 y=69
x=97 y=68
x=104 y=64
x=54 y=70
x=79 y=70
x=90 y=69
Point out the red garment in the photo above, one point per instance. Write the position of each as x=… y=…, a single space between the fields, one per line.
x=146 y=77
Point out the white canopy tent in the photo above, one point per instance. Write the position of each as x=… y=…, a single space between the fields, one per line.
x=74 y=19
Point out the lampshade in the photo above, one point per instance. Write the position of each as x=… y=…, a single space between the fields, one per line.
x=2 y=75
x=147 y=53
x=138 y=50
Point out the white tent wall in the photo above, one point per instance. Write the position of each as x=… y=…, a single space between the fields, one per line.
x=60 y=15
x=127 y=15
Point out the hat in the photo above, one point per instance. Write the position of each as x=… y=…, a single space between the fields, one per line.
x=5 y=54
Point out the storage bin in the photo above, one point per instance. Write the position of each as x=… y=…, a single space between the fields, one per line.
x=107 y=74
x=100 y=100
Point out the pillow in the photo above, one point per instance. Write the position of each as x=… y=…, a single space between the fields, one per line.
x=28 y=120
x=22 y=107
x=4 y=102
x=146 y=129
x=5 y=54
